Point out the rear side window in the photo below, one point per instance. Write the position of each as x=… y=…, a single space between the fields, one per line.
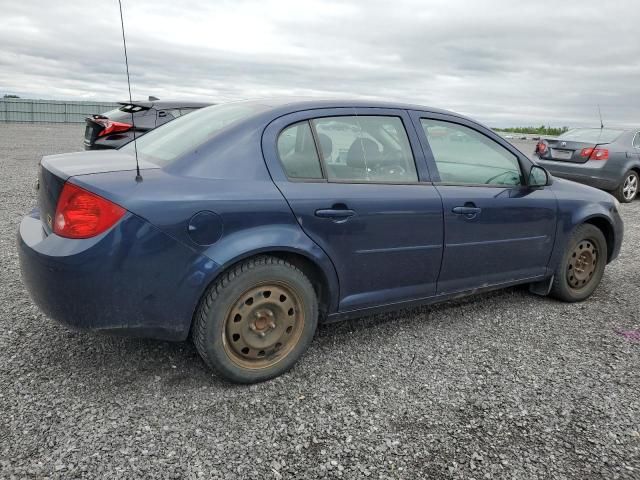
x=636 y=140
x=174 y=112
x=174 y=139
x=297 y=151
x=365 y=149
x=464 y=156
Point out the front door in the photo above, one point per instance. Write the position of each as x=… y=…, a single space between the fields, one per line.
x=359 y=190
x=497 y=229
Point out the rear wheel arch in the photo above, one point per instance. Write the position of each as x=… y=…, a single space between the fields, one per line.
x=318 y=277
x=256 y=320
x=313 y=272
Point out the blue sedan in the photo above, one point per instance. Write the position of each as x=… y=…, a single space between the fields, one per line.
x=256 y=220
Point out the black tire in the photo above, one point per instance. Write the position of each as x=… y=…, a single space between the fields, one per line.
x=575 y=282
x=628 y=189
x=250 y=280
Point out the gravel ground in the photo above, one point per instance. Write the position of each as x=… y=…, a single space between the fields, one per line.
x=504 y=385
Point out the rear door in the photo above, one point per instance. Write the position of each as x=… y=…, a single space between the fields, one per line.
x=497 y=230
x=359 y=188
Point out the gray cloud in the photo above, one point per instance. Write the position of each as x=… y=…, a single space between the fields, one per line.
x=501 y=62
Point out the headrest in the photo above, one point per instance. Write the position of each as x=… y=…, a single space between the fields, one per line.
x=326 y=145
x=361 y=152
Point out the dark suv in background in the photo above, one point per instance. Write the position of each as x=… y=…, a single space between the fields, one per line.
x=115 y=127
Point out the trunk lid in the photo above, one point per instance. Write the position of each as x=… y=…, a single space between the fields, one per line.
x=569 y=146
x=55 y=170
x=566 y=150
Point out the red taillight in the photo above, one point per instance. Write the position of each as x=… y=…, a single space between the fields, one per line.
x=595 y=153
x=111 y=127
x=541 y=147
x=82 y=214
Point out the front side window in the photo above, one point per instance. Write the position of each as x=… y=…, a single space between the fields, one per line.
x=365 y=149
x=636 y=140
x=174 y=112
x=464 y=156
x=298 y=153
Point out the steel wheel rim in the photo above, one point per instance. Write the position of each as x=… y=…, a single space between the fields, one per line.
x=630 y=187
x=263 y=325
x=582 y=264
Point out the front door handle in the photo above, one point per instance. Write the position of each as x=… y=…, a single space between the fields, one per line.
x=335 y=213
x=469 y=211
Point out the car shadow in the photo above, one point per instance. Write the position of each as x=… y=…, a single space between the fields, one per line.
x=124 y=363
x=431 y=312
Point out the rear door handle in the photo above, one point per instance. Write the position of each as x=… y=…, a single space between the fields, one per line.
x=468 y=211
x=335 y=213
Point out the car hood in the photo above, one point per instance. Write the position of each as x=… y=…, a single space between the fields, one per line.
x=567 y=188
x=68 y=165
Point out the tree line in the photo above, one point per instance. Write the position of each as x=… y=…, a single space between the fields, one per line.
x=541 y=130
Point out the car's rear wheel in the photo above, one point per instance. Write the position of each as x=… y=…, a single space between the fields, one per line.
x=582 y=265
x=256 y=321
x=628 y=189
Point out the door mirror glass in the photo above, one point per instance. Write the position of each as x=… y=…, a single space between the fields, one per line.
x=538 y=176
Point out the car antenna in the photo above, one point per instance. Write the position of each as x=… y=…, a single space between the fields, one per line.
x=600 y=114
x=133 y=124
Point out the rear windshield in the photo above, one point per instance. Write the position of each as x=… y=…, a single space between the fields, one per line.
x=174 y=139
x=124 y=112
x=591 y=135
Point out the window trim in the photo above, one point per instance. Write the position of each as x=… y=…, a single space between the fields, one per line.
x=421 y=116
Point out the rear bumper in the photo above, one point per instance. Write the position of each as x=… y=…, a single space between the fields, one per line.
x=131 y=280
x=593 y=173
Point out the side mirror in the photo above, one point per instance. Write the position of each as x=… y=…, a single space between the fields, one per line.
x=538 y=177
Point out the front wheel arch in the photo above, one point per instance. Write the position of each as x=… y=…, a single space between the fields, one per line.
x=602 y=224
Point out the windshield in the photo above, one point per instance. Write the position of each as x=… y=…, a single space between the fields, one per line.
x=174 y=139
x=591 y=135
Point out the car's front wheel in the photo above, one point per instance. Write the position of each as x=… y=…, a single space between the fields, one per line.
x=256 y=320
x=582 y=265
x=628 y=189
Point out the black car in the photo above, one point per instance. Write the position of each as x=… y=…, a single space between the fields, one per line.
x=115 y=127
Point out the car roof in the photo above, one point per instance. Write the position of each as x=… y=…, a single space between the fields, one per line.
x=310 y=103
x=167 y=104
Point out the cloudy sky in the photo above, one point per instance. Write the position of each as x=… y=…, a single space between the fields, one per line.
x=502 y=62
